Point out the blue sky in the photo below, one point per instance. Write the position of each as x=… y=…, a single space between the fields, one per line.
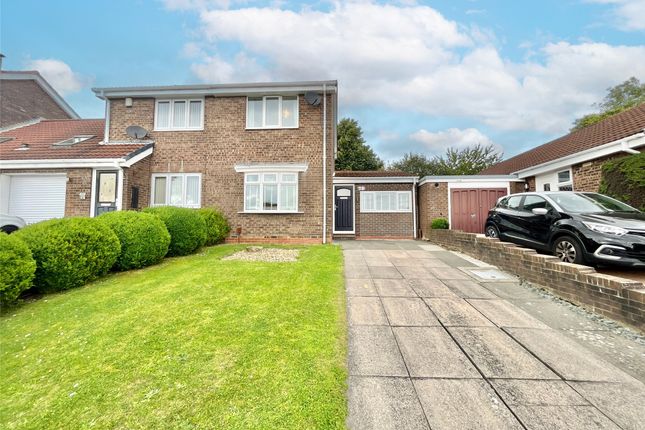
x=418 y=76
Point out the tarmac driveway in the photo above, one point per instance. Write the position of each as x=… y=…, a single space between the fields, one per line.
x=438 y=340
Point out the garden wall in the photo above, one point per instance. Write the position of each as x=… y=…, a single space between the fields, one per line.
x=617 y=298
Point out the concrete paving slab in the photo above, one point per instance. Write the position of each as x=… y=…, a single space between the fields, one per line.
x=452 y=259
x=383 y=404
x=623 y=403
x=491 y=274
x=563 y=417
x=463 y=404
x=357 y=272
x=393 y=288
x=409 y=245
x=397 y=253
x=556 y=315
x=356 y=260
x=360 y=287
x=468 y=289
x=432 y=262
x=413 y=272
x=378 y=272
x=351 y=252
x=566 y=357
x=431 y=248
x=366 y=311
x=378 y=261
x=430 y=352
x=419 y=254
x=431 y=287
x=496 y=355
x=537 y=393
x=510 y=290
x=408 y=311
x=457 y=313
x=399 y=262
x=373 y=352
x=374 y=253
x=505 y=314
x=447 y=273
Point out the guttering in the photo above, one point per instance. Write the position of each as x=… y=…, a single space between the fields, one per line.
x=271 y=167
x=470 y=178
x=79 y=163
x=324 y=163
x=375 y=179
x=626 y=144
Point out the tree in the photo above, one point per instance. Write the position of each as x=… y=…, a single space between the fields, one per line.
x=353 y=152
x=619 y=98
x=416 y=164
x=467 y=161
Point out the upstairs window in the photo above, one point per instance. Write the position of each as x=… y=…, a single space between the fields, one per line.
x=272 y=112
x=179 y=114
x=386 y=201
x=271 y=192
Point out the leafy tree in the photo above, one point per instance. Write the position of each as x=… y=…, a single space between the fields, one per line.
x=353 y=152
x=416 y=164
x=619 y=98
x=467 y=161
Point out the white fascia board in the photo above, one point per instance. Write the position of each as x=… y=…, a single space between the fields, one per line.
x=626 y=144
x=376 y=180
x=479 y=184
x=46 y=87
x=271 y=167
x=95 y=163
x=131 y=161
x=480 y=179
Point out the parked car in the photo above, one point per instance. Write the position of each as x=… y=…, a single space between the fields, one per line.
x=582 y=228
x=9 y=223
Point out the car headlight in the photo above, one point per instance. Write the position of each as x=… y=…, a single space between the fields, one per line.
x=605 y=228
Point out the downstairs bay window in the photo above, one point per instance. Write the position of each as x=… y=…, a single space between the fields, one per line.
x=271 y=192
x=177 y=189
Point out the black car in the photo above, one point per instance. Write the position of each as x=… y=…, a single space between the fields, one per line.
x=576 y=227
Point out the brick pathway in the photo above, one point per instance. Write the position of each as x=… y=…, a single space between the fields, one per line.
x=437 y=340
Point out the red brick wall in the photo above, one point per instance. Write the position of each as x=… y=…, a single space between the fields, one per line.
x=587 y=175
x=383 y=224
x=137 y=176
x=433 y=203
x=225 y=142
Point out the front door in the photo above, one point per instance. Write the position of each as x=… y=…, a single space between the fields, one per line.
x=344 y=209
x=106 y=191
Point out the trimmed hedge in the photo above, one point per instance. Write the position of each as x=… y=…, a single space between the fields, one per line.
x=70 y=252
x=186 y=227
x=217 y=227
x=439 y=224
x=17 y=268
x=624 y=179
x=144 y=238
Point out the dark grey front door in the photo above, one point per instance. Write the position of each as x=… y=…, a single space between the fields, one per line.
x=106 y=191
x=344 y=201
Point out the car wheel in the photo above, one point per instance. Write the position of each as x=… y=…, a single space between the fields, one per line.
x=491 y=231
x=568 y=250
x=8 y=228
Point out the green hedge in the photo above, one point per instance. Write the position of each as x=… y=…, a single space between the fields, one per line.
x=217 y=228
x=144 y=238
x=17 y=268
x=70 y=252
x=624 y=179
x=439 y=224
x=186 y=227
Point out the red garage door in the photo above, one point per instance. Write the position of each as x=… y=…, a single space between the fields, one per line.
x=470 y=206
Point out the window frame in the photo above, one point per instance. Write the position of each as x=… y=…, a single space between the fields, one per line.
x=184 y=183
x=279 y=184
x=272 y=127
x=171 y=114
x=364 y=194
x=568 y=183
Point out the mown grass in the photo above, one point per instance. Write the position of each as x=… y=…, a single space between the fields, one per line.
x=193 y=343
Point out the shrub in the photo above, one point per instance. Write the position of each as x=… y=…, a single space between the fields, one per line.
x=186 y=227
x=624 y=179
x=144 y=238
x=17 y=268
x=439 y=224
x=70 y=252
x=217 y=227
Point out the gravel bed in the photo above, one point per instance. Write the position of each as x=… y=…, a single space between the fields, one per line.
x=272 y=255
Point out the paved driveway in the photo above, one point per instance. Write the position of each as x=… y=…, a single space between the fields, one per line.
x=441 y=341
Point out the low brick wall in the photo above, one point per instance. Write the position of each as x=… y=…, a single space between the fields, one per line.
x=617 y=298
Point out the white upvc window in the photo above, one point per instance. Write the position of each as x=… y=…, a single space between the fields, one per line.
x=179 y=114
x=271 y=192
x=565 y=180
x=177 y=189
x=272 y=112
x=386 y=201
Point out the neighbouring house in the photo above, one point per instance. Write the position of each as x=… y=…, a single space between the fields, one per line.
x=26 y=97
x=57 y=168
x=374 y=204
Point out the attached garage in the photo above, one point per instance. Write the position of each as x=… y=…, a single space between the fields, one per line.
x=36 y=197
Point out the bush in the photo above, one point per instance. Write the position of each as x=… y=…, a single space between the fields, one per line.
x=17 y=268
x=144 y=238
x=70 y=252
x=624 y=179
x=186 y=227
x=217 y=227
x=439 y=224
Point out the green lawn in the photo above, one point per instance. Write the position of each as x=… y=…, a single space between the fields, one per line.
x=192 y=343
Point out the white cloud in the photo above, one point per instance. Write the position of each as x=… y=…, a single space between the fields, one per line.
x=456 y=138
x=628 y=14
x=59 y=75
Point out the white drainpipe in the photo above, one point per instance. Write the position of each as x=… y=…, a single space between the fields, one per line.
x=324 y=164
x=414 y=206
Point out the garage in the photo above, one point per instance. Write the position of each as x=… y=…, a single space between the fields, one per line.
x=36 y=197
x=469 y=207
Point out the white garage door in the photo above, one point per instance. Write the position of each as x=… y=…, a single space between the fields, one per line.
x=37 y=197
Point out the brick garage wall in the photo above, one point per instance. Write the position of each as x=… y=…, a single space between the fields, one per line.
x=225 y=142
x=78 y=181
x=433 y=203
x=385 y=224
x=137 y=176
x=518 y=187
x=587 y=176
x=613 y=297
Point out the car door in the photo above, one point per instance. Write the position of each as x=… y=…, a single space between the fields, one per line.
x=508 y=213
x=535 y=228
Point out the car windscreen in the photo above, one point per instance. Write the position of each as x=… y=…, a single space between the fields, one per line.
x=609 y=203
x=578 y=203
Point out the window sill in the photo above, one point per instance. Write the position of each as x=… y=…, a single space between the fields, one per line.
x=178 y=129
x=386 y=212
x=270 y=212
x=271 y=128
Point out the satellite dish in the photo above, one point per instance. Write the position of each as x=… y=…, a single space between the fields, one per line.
x=136 y=132
x=312 y=98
